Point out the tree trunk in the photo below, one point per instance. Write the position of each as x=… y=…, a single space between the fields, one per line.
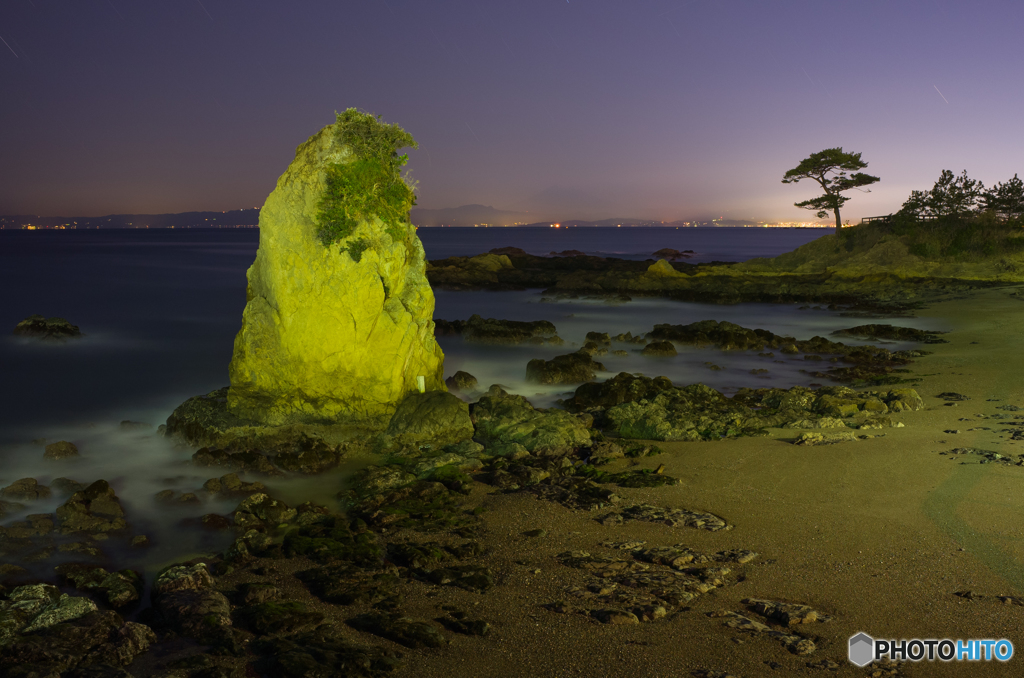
x=839 y=224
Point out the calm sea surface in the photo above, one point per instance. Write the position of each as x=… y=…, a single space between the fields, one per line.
x=160 y=310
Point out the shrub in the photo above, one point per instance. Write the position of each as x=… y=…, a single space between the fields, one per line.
x=369 y=185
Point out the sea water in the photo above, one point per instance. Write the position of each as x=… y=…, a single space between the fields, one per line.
x=160 y=309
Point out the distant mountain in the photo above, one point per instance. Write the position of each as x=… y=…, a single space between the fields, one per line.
x=469 y=215
x=230 y=219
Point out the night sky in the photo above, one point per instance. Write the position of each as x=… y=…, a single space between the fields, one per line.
x=586 y=109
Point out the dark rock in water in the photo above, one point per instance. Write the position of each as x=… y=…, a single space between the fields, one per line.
x=231 y=485
x=66 y=486
x=323 y=652
x=660 y=348
x=568 y=253
x=627 y=337
x=461 y=381
x=26 y=489
x=435 y=417
x=248 y=460
x=669 y=253
x=140 y=541
x=117 y=588
x=402 y=630
x=573 y=368
x=480 y=330
x=47 y=328
x=96 y=509
x=306 y=454
x=892 y=333
x=128 y=425
x=276 y=617
x=600 y=338
x=509 y=251
x=60 y=450
x=622 y=388
x=505 y=423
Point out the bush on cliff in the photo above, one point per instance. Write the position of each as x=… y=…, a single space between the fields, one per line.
x=369 y=185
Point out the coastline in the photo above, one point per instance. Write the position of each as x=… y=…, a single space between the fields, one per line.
x=879 y=533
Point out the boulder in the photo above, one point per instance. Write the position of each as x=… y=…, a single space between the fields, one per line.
x=507 y=421
x=336 y=331
x=435 y=417
x=622 y=388
x=461 y=381
x=26 y=489
x=573 y=368
x=96 y=510
x=60 y=450
x=660 y=348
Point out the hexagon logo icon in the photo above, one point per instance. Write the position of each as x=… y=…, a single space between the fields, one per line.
x=862 y=649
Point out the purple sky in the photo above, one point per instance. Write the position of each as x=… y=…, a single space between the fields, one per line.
x=586 y=108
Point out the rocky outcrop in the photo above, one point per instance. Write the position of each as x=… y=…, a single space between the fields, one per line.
x=434 y=418
x=480 y=330
x=94 y=510
x=508 y=423
x=698 y=412
x=337 y=332
x=572 y=368
x=55 y=329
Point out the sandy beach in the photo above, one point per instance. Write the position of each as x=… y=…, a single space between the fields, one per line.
x=877 y=533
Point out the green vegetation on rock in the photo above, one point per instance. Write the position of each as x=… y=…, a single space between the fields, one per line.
x=370 y=185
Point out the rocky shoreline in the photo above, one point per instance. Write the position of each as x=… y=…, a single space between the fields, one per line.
x=278 y=598
x=609 y=521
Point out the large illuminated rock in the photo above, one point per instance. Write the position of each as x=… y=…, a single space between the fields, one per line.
x=335 y=333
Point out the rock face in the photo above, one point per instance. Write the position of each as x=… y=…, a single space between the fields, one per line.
x=331 y=332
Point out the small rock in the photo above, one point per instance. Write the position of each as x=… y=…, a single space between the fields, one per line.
x=60 y=450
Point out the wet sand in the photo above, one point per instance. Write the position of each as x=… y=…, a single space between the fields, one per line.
x=878 y=533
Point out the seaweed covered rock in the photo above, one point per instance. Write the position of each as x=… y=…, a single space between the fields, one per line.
x=506 y=422
x=337 y=325
x=698 y=412
x=435 y=417
x=572 y=368
x=480 y=330
x=39 y=327
x=96 y=509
